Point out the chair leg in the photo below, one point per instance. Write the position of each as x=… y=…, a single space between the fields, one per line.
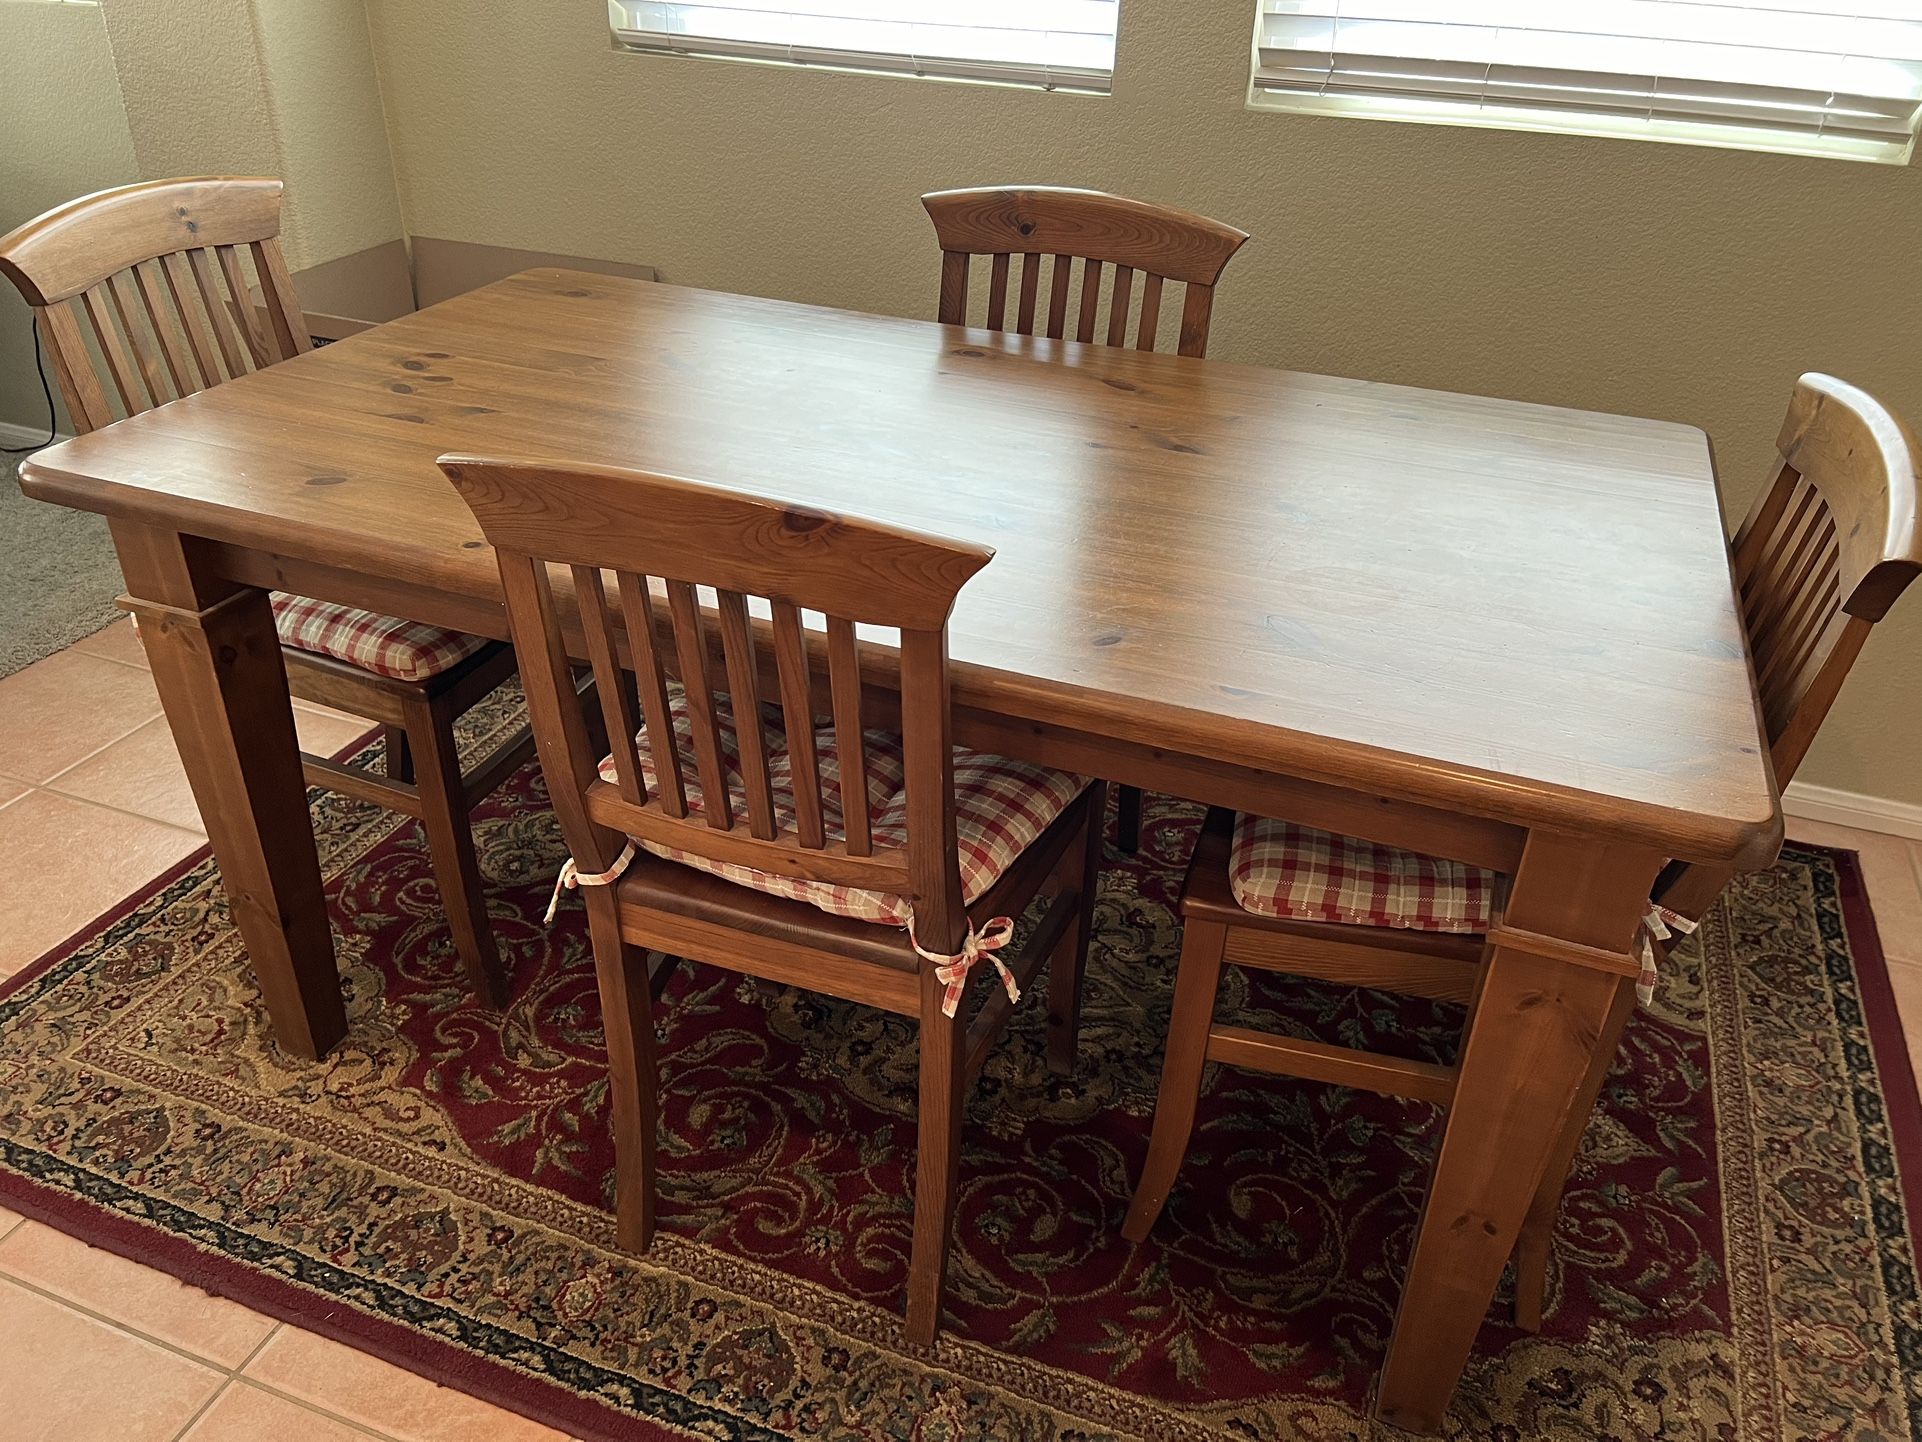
x=937 y=1159
x=400 y=756
x=450 y=841
x=1538 y=1228
x=627 y=1018
x=1079 y=868
x=1195 y=985
x=1127 y=819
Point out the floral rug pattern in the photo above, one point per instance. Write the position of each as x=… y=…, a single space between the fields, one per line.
x=1735 y=1258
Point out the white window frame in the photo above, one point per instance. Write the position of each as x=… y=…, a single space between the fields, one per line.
x=1485 y=115
x=627 y=21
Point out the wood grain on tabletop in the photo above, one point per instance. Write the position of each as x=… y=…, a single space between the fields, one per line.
x=1520 y=610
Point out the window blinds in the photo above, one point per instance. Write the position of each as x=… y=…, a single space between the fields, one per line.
x=1055 y=44
x=1821 y=76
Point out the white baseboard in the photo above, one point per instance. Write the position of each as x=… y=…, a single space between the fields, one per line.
x=1851 y=808
x=13 y=437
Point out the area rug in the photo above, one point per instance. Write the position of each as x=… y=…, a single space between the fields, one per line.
x=1735 y=1259
x=60 y=576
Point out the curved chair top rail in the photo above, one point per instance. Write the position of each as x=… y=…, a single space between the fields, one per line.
x=1825 y=550
x=1086 y=224
x=666 y=526
x=1864 y=459
x=77 y=245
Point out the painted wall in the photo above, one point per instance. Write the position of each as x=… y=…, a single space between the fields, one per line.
x=324 y=99
x=63 y=132
x=264 y=87
x=1661 y=280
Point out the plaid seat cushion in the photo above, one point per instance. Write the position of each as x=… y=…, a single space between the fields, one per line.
x=385 y=645
x=1001 y=807
x=1278 y=869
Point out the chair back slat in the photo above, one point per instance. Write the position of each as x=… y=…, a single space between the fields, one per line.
x=998 y=293
x=1090 y=299
x=213 y=305
x=113 y=354
x=182 y=289
x=744 y=696
x=1825 y=550
x=747 y=550
x=150 y=286
x=240 y=303
x=954 y=281
x=691 y=653
x=1150 y=312
x=590 y=592
x=1059 y=274
x=1787 y=605
x=797 y=718
x=1030 y=293
x=284 y=317
x=1124 y=280
x=1197 y=311
x=637 y=614
x=73 y=368
x=844 y=679
x=130 y=322
x=1101 y=231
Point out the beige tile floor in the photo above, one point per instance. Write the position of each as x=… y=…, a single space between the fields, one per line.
x=94 y=1346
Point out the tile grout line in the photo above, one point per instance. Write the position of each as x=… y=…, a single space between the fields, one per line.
x=221 y=1390
x=82 y=761
x=314 y=1407
x=53 y=790
x=205 y=1363
x=228 y=1375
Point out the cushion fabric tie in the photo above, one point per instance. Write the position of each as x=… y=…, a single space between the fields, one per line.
x=952 y=971
x=572 y=877
x=1659 y=925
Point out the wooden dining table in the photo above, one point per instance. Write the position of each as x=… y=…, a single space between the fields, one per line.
x=1499 y=632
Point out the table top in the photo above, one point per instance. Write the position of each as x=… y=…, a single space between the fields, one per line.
x=1514 y=610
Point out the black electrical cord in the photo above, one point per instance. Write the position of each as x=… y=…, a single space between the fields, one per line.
x=53 y=430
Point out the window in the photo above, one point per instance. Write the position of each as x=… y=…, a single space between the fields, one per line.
x=1054 y=44
x=1822 y=77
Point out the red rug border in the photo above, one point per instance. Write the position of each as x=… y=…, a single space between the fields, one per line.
x=555 y=1405
x=1883 y=1021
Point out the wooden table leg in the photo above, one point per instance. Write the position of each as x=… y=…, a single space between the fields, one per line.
x=216 y=664
x=1555 y=968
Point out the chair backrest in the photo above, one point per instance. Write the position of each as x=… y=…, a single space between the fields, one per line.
x=1095 y=228
x=684 y=534
x=1824 y=552
x=143 y=294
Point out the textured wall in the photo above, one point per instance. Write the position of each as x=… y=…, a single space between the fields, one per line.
x=264 y=87
x=323 y=96
x=1662 y=280
x=62 y=133
x=190 y=75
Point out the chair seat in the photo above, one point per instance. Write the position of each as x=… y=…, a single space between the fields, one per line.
x=385 y=645
x=1276 y=868
x=1001 y=808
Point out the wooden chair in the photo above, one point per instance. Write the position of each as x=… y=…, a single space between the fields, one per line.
x=1098 y=230
x=146 y=294
x=755 y=863
x=1825 y=551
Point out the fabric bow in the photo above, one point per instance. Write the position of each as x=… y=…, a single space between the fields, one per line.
x=952 y=971
x=1659 y=925
x=572 y=877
